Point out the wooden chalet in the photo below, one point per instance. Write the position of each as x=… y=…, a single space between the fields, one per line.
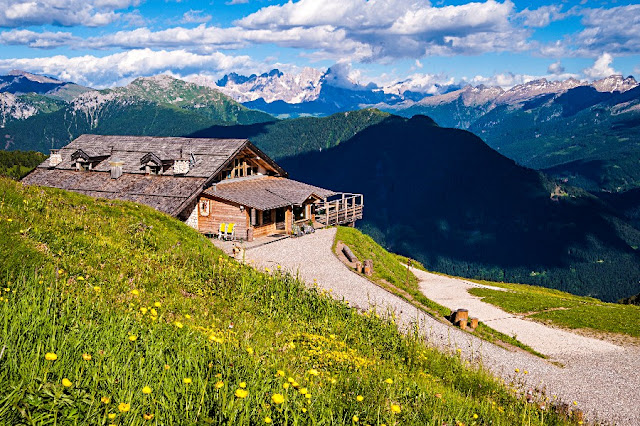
x=204 y=182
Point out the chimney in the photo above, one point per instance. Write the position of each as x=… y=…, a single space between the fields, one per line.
x=181 y=165
x=116 y=168
x=55 y=157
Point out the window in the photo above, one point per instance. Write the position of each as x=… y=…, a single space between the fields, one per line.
x=83 y=166
x=204 y=207
x=299 y=213
x=266 y=217
x=154 y=169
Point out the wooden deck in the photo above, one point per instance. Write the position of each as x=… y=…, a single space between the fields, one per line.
x=341 y=209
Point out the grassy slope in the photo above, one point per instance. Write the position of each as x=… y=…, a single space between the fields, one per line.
x=84 y=276
x=564 y=309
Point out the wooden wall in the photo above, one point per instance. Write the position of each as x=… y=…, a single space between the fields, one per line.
x=224 y=212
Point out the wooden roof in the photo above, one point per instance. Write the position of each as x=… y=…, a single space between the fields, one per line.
x=164 y=193
x=266 y=192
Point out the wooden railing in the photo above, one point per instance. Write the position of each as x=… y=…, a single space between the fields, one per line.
x=340 y=209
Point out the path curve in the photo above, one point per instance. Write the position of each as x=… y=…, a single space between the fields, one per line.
x=604 y=384
x=558 y=344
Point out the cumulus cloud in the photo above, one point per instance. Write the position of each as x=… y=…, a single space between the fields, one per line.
x=555 y=68
x=114 y=69
x=601 y=67
x=91 y=13
x=542 y=16
x=615 y=30
x=397 y=28
x=506 y=80
x=42 y=40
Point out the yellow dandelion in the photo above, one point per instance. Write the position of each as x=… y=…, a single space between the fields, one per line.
x=241 y=393
x=80 y=278
x=178 y=324
x=166 y=367
x=96 y=288
x=303 y=391
x=517 y=370
x=86 y=357
x=219 y=384
x=304 y=410
x=243 y=385
x=525 y=372
x=250 y=351
x=291 y=380
x=153 y=312
x=280 y=373
x=60 y=271
x=66 y=383
x=277 y=398
x=314 y=372
x=123 y=407
x=355 y=419
x=105 y=400
x=186 y=380
x=143 y=310
x=475 y=416
x=111 y=416
x=395 y=408
x=307 y=395
x=575 y=402
x=359 y=398
x=285 y=385
x=135 y=292
x=146 y=390
x=133 y=338
x=157 y=304
x=389 y=381
x=147 y=416
x=267 y=419
x=50 y=356
x=187 y=316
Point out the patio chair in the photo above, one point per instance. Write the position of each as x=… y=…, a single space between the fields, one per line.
x=231 y=231
x=222 y=231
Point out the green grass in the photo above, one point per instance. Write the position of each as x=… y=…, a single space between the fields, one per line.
x=564 y=309
x=82 y=276
x=389 y=268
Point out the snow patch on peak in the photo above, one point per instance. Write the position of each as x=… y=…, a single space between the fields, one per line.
x=615 y=83
x=12 y=108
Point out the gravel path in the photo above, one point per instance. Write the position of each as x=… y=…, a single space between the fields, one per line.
x=604 y=383
x=558 y=344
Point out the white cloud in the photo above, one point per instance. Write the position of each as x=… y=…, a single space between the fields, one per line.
x=601 y=68
x=615 y=30
x=232 y=2
x=195 y=16
x=542 y=16
x=114 y=69
x=555 y=68
x=43 y=40
x=91 y=13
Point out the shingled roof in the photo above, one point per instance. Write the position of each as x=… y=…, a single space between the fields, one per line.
x=168 y=193
x=266 y=192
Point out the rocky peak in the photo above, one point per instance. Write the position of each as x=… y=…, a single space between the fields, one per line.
x=615 y=83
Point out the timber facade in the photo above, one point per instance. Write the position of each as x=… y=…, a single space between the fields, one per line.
x=204 y=182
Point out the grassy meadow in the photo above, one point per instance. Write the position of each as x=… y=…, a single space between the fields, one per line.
x=115 y=314
x=563 y=309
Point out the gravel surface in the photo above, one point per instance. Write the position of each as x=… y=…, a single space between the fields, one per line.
x=602 y=379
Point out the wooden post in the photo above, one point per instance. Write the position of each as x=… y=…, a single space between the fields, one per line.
x=461 y=315
x=368 y=267
x=462 y=325
x=349 y=254
x=474 y=323
x=359 y=267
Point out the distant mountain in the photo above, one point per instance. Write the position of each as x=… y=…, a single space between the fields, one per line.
x=160 y=106
x=445 y=198
x=21 y=107
x=21 y=82
x=584 y=133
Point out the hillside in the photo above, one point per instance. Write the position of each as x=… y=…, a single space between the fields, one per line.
x=117 y=313
x=445 y=198
x=156 y=106
x=295 y=136
x=16 y=164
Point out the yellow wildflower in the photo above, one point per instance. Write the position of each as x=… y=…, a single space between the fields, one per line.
x=285 y=385
x=241 y=393
x=475 y=416
x=187 y=316
x=153 y=312
x=96 y=288
x=80 y=278
x=250 y=350
x=50 y=356
x=267 y=419
x=146 y=390
x=157 y=304
x=66 y=383
x=243 y=385
x=219 y=384
x=314 y=372
x=147 y=416
x=105 y=400
x=517 y=370
x=166 y=367
x=359 y=398
x=143 y=310
x=307 y=395
x=86 y=357
x=178 y=324
x=133 y=338
x=395 y=408
x=303 y=391
x=277 y=398
x=291 y=380
x=280 y=373
x=135 y=292
x=355 y=419
x=186 y=380
x=389 y=381
x=124 y=407
x=111 y=416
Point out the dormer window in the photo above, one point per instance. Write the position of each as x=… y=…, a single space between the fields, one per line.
x=83 y=160
x=153 y=164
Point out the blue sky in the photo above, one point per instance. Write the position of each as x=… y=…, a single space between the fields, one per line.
x=102 y=43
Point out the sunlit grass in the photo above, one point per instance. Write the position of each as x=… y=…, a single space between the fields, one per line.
x=113 y=313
